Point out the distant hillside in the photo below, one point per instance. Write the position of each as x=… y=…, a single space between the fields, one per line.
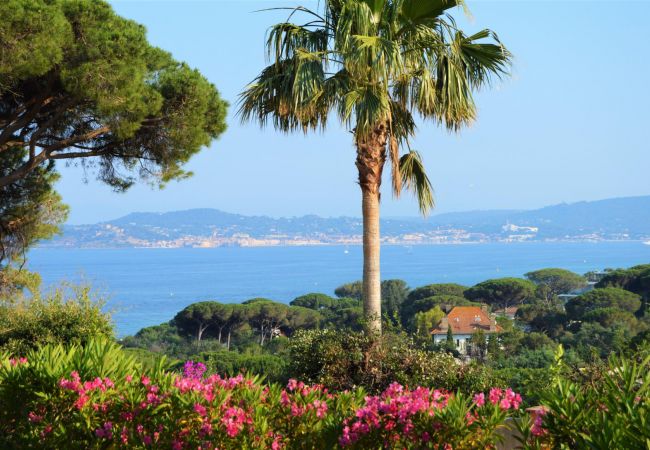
x=613 y=219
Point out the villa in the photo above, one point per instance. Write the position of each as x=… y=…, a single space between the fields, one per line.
x=464 y=322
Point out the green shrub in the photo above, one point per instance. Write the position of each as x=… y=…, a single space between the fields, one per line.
x=227 y=363
x=346 y=360
x=529 y=382
x=70 y=314
x=611 y=413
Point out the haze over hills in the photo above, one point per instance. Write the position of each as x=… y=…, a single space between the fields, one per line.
x=613 y=219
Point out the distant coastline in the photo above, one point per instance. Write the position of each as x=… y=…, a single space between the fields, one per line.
x=621 y=219
x=396 y=243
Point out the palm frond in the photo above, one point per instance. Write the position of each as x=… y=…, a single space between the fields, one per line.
x=415 y=179
x=285 y=39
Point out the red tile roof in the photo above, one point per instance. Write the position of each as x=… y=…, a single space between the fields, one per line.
x=466 y=320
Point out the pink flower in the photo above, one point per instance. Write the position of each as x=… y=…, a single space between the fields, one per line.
x=33 y=417
x=199 y=409
x=538 y=417
x=479 y=399
x=277 y=444
x=233 y=419
x=495 y=395
x=105 y=431
x=47 y=430
x=284 y=398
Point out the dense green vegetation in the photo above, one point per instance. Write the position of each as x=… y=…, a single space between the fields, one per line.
x=79 y=83
x=319 y=338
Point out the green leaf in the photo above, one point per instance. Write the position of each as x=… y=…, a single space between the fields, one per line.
x=421 y=10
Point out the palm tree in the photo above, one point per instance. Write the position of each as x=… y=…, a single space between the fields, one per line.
x=378 y=64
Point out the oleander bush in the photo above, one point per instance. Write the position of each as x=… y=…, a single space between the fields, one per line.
x=612 y=411
x=94 y=396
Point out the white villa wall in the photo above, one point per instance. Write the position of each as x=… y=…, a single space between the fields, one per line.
x=460 y=340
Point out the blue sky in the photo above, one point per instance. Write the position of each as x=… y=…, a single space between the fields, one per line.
x=570 y=124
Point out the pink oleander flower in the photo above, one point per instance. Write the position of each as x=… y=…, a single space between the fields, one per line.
x=106 y=431
x=293 y=385
x=277 y=443
x=538 y=417
x=15 y=362
x=47 y=430
x=200 y=409
x=495 y=395
x=479 y=399
x=194 y=370
x=33 y=417
x=320 y=407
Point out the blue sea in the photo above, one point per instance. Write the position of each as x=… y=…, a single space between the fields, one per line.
x=149 y=286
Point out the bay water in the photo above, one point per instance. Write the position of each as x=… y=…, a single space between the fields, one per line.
x=145 y=287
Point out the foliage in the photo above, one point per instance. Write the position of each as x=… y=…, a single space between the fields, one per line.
x=555 y=281
x=501 y=292
x=393 y=294
x=271 y=367
x=163 y=338
x=80 y=83
x=426 y=321
x=542 y=318
x=348 y=360
x=602 y=298
x=97 y=397
x=264 y=317
x=92 y=86
x=350 y=290
x=433 y=290
x=314 y=301
x=30 y=210
x=635 y=279
x=16 y=282
x=528 y=381
x=69 y=314
x=612 y=413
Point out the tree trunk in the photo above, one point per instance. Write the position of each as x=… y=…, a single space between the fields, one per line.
x=228 y=340
x=371 y=156
x=202 y=328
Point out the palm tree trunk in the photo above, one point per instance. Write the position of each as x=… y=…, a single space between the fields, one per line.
x=371 y=156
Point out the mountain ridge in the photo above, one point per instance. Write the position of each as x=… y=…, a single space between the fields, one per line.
x=624 y=218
